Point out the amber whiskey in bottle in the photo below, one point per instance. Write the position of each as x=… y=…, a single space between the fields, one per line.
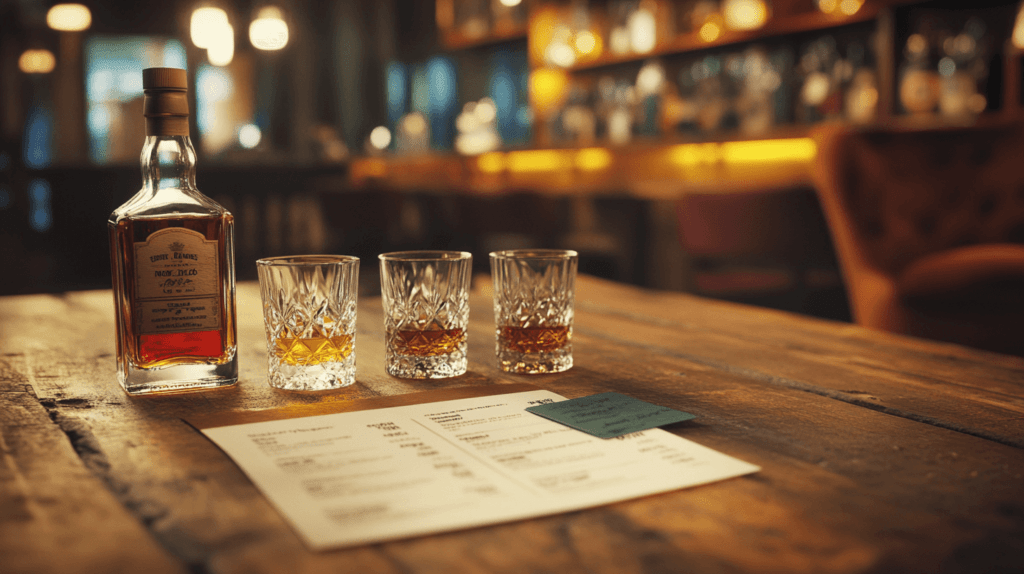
x=172 y=261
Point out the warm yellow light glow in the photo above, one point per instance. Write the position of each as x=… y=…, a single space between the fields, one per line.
x=795 y=149
x=415 y=124
x=269 y=30
x=492 y=162
x=862 y=105
x=689 y=155
x=593 y=159
x=650 y=79
x=511 y=3
x=587 y=43
x=366 y=168
x=380 y=137
x=745 y=14
x=643 y=31
x=711 y=30
x=37 y=62
x=538 y=160
x=560 y=54
x=850 y=7
x=917 y=44
x=206 y=25
x=781 y=150
x=221 y=49
x=541 y=33
x=828 y=6
x=548 y=87
x=1018 y=29
x=69 y=17
x=485 y=111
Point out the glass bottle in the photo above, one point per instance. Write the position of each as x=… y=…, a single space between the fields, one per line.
x=172 y=261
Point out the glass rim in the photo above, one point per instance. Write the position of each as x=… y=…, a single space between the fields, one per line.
x=397 y=256
x=297 y=260
x=513 y=254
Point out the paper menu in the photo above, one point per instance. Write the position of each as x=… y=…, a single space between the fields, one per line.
x=352 y=478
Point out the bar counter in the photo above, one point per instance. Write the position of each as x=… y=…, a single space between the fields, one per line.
x=878 y=452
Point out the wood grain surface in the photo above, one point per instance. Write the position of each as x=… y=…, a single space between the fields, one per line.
x=879 y=453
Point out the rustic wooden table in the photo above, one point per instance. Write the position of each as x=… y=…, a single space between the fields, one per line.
x=879 y=453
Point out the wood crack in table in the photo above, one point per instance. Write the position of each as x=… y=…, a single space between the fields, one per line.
x=879 y=453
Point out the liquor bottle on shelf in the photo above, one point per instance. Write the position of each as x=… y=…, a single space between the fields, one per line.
x=963 y=70
x=714 y=105
x=820 y=97
x=172 y=261
x=920 y=84
x=860 y=88
x=650 y=89
x=758 y=80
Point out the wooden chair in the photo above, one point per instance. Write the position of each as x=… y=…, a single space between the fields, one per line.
x=929 y=229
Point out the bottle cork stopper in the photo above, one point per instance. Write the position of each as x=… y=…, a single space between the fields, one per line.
x=166 y=103
x=164 y=79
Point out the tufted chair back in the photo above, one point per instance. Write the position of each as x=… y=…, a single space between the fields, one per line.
x=929 y=228
x=914 y=193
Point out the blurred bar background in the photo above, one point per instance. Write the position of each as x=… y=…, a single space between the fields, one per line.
x=676 y=144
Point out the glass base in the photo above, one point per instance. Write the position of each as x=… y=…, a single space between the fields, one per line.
x=435 y=367
x=535 y=363
x=321 y=377
x=178 y=378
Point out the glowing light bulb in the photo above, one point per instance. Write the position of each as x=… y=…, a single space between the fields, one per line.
x=916 y=44
x=586 y=42
x=69 y=17
x=511 y=3
x=269 y=30
x=650 y=79
x=745 y=14
x=205 y=25
x=221 y=49
x=850 y=7
x=711 y=30
x=249 y=136
x=37 y=62
x=643 y=35
x=380 y=137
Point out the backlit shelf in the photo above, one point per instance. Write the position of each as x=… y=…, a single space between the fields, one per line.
x=780 y=26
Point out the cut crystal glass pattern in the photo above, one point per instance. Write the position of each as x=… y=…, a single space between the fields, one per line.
x=309 y=308
x=534 y=293
x=426 y=313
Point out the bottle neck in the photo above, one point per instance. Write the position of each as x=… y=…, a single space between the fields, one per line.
x=168 y=162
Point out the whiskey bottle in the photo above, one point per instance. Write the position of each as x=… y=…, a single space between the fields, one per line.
x=172 y=261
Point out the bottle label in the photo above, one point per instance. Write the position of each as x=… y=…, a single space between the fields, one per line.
x=177 y=282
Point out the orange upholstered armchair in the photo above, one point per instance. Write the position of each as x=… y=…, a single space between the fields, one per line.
x=929 y=229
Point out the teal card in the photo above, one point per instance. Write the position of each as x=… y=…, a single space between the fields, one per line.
x=609 y=415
